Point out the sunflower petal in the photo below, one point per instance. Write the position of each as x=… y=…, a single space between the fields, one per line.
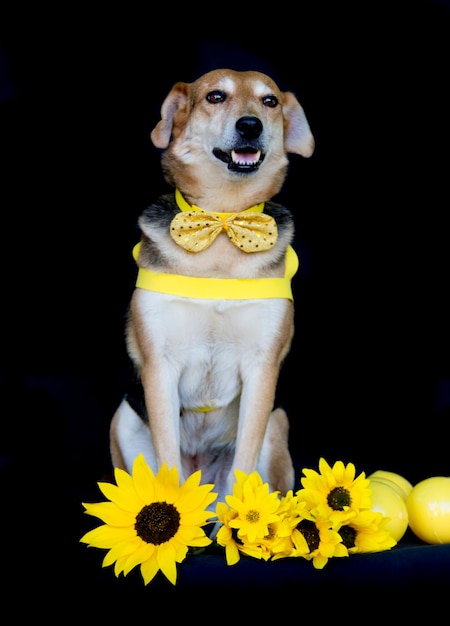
x=110 y=513
x=193 y=537
x=338 y=471
x=197 y=518
x=319 y=561
x=126 y=499
x=192 y=499
x=181 y=551
x=107 y=536
x=193 y=481
x=166 y=560
x=232 y=554
x=142 y=553
x=167 y=486
x=123 y=549
x=118 y=566
x=143 y=479
x=323 y=466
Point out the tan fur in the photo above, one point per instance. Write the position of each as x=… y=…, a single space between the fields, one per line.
x=190 y=352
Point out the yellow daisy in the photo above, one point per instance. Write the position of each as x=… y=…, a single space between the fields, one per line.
x=247 y=519
x=150 y=520
x=291 y=512
x=256 y=508
x=366 y=533
x=277 y=543
x=226 y=536
x=334 y=493
x=322 y=541
x=254 y=480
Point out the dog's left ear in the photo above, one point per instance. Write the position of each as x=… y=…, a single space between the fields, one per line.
x=298 y=137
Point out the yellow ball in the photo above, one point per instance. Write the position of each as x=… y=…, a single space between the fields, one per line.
x=428 y=506
x=399 y=480
x=388 y=500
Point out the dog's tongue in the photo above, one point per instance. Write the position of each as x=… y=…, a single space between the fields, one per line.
x=245 y=158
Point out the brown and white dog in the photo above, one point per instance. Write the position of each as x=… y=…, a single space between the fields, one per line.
x=211 y=318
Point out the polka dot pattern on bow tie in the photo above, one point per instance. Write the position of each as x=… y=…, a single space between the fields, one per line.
x=249 y=231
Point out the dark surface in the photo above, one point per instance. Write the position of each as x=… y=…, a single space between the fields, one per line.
x=368 y=377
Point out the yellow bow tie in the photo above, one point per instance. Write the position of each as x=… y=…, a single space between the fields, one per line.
x=195 y=229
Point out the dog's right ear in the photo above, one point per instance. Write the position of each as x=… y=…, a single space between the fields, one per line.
x=175 y=102
x=298 y=138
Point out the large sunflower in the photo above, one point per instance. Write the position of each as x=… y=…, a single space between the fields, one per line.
x=334 y=493
x=150 y=520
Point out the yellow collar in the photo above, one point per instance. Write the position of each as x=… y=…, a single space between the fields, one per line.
x=184 y=206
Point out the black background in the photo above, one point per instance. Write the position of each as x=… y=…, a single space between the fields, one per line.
x=368 y=377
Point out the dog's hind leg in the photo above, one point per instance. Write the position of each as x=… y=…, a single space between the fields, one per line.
x=129 y=436
x=275 y=463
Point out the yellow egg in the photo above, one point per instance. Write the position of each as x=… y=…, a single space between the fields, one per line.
x=392 y=485
x=428 y=506
x=398 y=479
x=388 y=500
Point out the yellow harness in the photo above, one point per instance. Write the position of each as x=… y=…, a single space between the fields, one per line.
x=219 y=288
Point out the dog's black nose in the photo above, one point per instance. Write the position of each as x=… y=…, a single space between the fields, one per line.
x=249 y=127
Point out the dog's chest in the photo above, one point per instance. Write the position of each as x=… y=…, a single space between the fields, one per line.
x=209 y=344
x=194 y=326
x=208 y=347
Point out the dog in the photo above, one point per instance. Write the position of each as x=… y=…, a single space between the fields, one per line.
x=211 y=319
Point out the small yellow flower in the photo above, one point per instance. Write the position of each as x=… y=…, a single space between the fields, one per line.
x=291 y=512
x=254 y=480
x=256 y=508
x=334 y=493
x=225 y=536
x=322 y=541
x=366 y=533
x=248 y=519
x=278 y=543
x=150 y=520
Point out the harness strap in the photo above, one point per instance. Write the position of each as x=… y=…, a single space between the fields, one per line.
x=219 y=288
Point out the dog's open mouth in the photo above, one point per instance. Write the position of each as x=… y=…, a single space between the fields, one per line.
x=242 y=160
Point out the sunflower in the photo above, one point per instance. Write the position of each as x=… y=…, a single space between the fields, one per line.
x=334 y=493
x=256 y=508
x=150 y=520
x=277 y=543
x=249 y=519
x=316 y=541
x=366 y=533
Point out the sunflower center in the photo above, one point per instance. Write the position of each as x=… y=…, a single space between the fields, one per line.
x=310 y=533
x=338 y=498
x=252 y=516
x=348 y=535
x=157 y=522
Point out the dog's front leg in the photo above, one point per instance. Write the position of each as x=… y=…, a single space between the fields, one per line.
x=163 y=408
x=258 y=395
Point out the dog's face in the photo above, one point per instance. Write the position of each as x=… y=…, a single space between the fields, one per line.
x=228 y=127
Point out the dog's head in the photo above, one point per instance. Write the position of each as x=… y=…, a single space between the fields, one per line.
x=230 y=131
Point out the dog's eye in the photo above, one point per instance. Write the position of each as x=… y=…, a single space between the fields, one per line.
x=270 y=101
x=216 y=96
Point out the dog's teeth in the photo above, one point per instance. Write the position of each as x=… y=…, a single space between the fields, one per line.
x=245 y=158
